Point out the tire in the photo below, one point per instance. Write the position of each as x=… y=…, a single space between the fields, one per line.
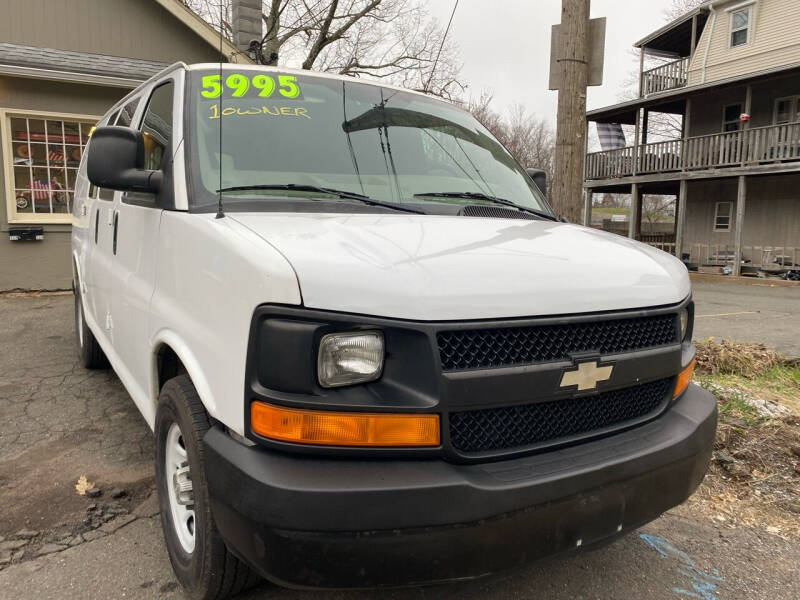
x=89 y=351
x=201 y=560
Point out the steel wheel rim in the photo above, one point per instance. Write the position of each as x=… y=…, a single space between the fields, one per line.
x=176 y=463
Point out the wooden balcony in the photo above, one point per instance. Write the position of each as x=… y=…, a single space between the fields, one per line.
x=750 y=147
x=670 y=76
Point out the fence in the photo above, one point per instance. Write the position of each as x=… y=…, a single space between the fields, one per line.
x=670 y=76
x=774 y=143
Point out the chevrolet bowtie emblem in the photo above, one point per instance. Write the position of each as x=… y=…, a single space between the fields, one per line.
x=586 y=376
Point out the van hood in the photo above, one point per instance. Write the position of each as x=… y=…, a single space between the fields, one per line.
x=442 y=268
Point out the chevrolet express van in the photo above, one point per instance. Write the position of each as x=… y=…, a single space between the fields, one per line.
x=370 y=353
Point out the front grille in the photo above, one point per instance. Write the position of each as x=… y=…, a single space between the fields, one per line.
x=481 y=348
x=517 y=426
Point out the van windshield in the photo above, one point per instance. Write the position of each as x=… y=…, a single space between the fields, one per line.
x=282 y=131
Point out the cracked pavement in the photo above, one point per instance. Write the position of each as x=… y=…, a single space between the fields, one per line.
x=59 y=422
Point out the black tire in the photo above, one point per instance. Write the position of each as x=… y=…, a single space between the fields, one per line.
x=89 y=351
x=210 y=571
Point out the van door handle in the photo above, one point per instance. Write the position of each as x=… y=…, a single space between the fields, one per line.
x=114 y=238
x=96 y=223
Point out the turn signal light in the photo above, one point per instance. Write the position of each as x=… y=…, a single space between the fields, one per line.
x=343 y=429
x=684 y=379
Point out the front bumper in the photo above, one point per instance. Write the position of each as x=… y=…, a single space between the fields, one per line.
x=324 y=522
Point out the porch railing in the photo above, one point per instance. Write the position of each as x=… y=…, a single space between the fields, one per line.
x=759 y=145
x=670 y=76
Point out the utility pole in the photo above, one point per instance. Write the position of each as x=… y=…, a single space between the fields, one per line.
x=572 y=63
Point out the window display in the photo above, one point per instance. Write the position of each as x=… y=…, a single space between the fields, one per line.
x=45 y=157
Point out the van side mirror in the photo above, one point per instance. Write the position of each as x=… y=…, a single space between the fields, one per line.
x=539 y=177
x=116 y=161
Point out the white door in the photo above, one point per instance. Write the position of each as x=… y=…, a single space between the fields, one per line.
x=138 y=218
x=97 y=269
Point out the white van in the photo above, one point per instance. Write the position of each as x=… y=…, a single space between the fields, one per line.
x=370 y=353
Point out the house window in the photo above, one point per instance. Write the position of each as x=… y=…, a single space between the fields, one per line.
x=740 y=27
x=731 y=118
x=722 y=217
x=42 y=154
x=787 y=110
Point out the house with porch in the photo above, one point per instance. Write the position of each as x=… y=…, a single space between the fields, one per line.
x=728 y=84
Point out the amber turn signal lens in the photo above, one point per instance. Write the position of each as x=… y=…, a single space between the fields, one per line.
x=343 y=429
x=684 y=379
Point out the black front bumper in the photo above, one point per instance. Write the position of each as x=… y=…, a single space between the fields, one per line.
x=325 y=522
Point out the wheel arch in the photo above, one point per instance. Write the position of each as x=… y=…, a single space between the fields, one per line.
x=172 y=357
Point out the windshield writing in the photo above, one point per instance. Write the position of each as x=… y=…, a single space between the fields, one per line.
x=389 y=145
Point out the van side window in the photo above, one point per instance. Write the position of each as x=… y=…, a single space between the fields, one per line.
x=126 y=114
x=157 y=127
x=94 y=191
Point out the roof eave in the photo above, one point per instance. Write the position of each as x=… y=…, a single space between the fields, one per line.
x=70 y=76
x=676 y=23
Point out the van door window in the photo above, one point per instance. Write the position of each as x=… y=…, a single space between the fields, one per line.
x=126 y=114
x=122 y=119
x=94 y=191
x=157 y=127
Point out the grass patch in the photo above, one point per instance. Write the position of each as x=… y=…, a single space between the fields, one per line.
x=734 y=403
x=753 y=477
x=739 y=373
x=608 y=210
x=728 y=358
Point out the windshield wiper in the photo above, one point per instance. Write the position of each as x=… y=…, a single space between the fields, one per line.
x=322 y=190
x=494 y=199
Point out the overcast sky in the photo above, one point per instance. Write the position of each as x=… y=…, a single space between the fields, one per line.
x=505 y=46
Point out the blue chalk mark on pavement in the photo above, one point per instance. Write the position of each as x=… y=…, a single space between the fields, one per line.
x=703 y=585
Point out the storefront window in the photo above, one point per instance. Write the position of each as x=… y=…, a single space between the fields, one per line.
x=45 y=154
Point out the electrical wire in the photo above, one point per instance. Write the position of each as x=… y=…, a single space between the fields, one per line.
x=444 y=37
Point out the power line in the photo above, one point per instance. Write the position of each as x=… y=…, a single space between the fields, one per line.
x=444 y=37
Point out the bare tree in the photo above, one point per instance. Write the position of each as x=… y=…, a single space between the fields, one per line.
x=679 y=8
x=657 y=209
x=530 y=140
x=393 y=40
x=481 y=109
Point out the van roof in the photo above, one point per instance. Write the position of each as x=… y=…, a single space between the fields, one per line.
x=250 y=67
x=306 y=73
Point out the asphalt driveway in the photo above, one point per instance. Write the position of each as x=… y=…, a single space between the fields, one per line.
x=59 y=422
x=757 y=311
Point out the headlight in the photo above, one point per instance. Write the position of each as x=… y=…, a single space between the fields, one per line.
x=684 y=316
x=350 y=358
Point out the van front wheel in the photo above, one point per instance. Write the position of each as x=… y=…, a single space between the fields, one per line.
x=201 y=561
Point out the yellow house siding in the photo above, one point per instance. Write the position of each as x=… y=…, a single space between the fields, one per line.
x=774 y=42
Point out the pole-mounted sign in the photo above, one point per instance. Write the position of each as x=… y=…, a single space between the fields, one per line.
x=597 y=53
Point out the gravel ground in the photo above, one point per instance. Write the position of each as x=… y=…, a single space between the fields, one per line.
x=59 y=422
